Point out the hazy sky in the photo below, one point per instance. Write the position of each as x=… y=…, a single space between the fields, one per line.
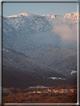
x=38 y=8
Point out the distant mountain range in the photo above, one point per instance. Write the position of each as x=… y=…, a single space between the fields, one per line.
x=39 y=44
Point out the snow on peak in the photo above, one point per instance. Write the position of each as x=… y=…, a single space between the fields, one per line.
x=72 y=16
x=50 y=15
x=19 y=15
x=24 y=14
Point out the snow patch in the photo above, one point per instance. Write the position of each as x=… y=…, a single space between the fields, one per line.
x=5 y=50
x=56 y=78
x=53 y=78
x=72 y=72
x=62 y=78
x=37 y=86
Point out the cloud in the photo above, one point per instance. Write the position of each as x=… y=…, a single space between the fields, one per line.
x=67 y=33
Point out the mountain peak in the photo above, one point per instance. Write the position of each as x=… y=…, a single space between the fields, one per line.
x=19 y=15
x=72 y=16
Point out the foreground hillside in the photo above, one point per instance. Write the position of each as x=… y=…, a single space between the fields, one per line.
x=23 y=71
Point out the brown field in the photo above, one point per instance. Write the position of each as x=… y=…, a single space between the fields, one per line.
x=41 y=95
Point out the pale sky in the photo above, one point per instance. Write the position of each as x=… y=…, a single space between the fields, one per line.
x=38 y=8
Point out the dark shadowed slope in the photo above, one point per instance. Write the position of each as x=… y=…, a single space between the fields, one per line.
x=61 y=60
x=26 y=64
x=20 y=70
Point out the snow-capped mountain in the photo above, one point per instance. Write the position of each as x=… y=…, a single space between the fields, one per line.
x=37 y=35
x=72 y=16
x=39 y=23
x=53 y=29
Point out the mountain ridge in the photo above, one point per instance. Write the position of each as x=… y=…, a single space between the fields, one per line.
x=74 y=14
x=26 y=64
x=18 y=26
x=31 y=34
